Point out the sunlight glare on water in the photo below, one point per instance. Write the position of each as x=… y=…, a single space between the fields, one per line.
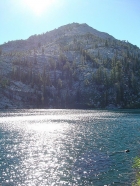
x=67 y=147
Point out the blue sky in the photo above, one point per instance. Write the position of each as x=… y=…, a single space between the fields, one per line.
x=19 y=19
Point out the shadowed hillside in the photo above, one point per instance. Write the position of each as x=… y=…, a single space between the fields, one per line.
x=74 y=66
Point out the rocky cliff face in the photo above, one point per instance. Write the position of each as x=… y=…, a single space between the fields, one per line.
x=74 y=66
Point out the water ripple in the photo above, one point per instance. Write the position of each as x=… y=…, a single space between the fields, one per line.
x=67 y=147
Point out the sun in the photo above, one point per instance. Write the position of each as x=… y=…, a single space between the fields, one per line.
x=38 y=7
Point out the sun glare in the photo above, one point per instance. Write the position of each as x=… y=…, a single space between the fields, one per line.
x=38 y=7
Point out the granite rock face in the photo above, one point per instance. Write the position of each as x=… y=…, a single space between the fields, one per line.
x=74 y=66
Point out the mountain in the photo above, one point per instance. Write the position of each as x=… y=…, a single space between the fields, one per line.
x=72 y=30
x=74 y=66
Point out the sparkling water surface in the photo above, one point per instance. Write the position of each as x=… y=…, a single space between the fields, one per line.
x=68 y=147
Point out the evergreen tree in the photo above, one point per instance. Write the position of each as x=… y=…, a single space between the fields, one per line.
x=0 y=51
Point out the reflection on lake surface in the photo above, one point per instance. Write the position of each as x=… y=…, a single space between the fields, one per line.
x=68 y=147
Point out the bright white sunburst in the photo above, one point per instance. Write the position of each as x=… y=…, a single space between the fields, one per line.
x=38 y=6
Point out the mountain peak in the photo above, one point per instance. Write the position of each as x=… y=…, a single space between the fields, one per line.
x=81 y=29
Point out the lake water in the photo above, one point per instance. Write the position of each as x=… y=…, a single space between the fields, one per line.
x=68 y=147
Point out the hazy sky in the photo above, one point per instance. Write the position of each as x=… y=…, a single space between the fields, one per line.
x=20 y=19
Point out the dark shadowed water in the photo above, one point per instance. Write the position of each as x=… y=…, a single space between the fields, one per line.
x=68 y=147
